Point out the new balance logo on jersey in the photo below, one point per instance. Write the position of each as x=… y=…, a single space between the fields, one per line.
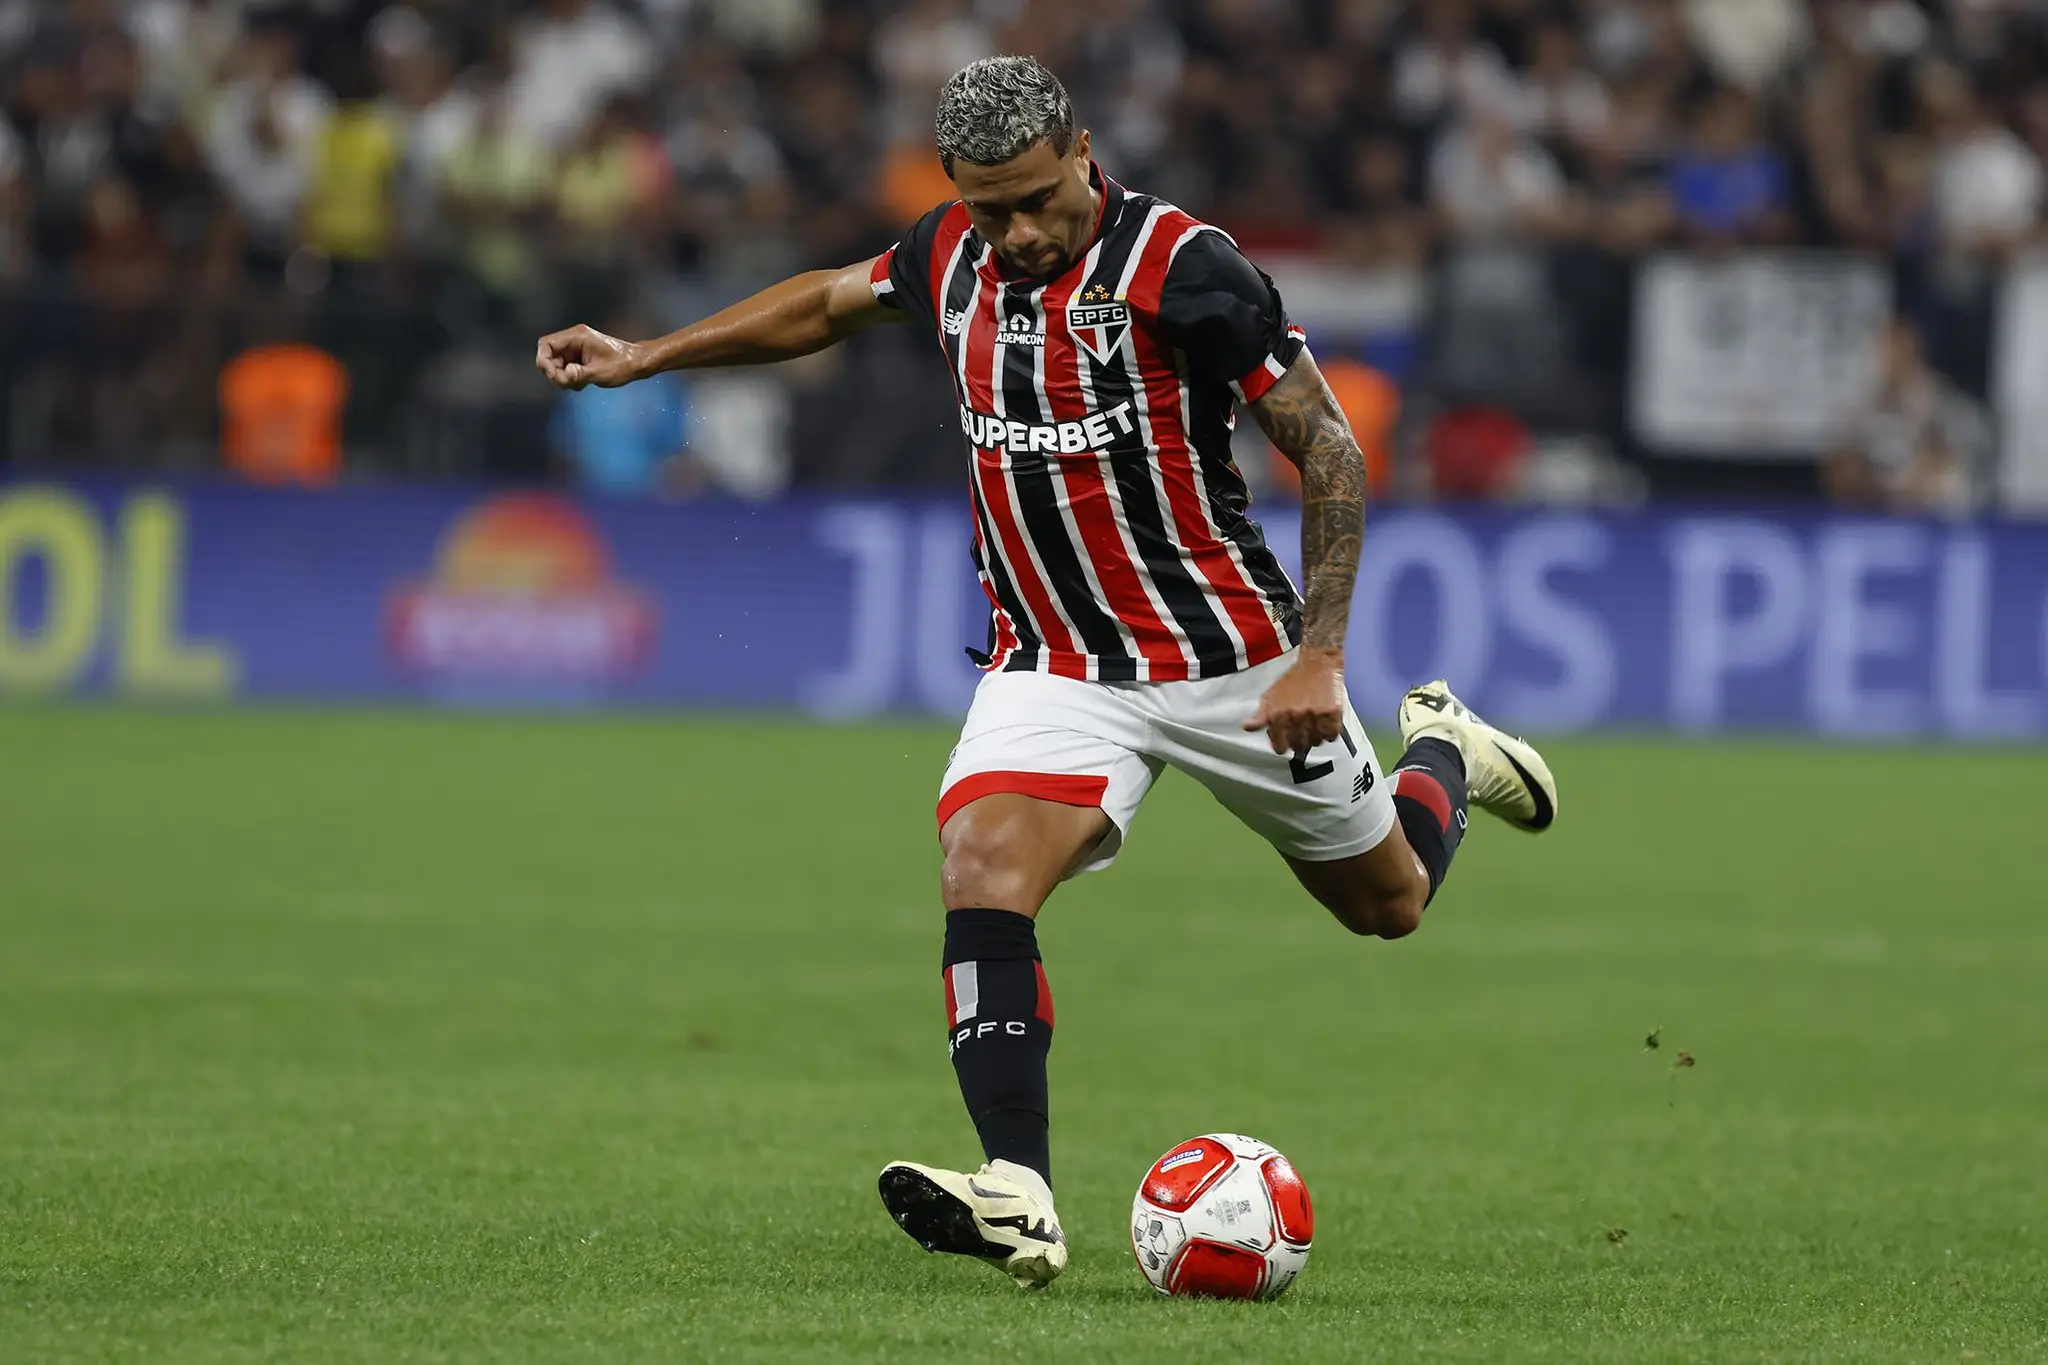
x=1093 y=432
x=1099 y=328
x=955 y=321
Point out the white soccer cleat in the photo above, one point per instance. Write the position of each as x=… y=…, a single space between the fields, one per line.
x=1503 y=774
x=1001 y=1213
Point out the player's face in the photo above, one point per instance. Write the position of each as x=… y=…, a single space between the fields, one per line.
x=1035 y=208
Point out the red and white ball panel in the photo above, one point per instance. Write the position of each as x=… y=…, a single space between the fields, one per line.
x=1221 y=1216
x=1184 y=1174
x=1212 y=1270
x=1294 y=1216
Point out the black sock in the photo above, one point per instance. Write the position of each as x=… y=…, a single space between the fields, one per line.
x=999 y=1014
x=1429 y=796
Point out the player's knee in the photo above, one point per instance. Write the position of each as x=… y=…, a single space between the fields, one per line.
x=1387 y=916
x=982 y=872
x=1401 y=915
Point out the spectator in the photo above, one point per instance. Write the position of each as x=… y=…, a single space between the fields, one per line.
x=260 y=141
x=123 y=268
x=1839 y=200
x=607 y=186
x=1747 y=43
x=136 y=130
x=1475 y=452
x=1625 y=200
x=495 y=184
x=1728 y=185
x=1490 y=181
x=1618 y=35
x=121 y=261
x=66 y=146
x=914 y=52
x=281 y=414
x=1371 y=403
x=571 y=60
x=267 y=71
x=1445 y=68
x=732 y=189
x=1905 y=199
x=825 y=126
x=432 y=112
x=1921 y=444
x=1127 y=58
x=1985 y=182
x=183 y=45
x=1641 y=132
x=769 y=26
x=161 y=159
x=1386 y=226
x=1890 y=29
x=351 y=213
x=1558 y=99
x=631 y=441
x=16 y=247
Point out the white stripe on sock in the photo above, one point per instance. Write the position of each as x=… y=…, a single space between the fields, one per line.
x=966 y=991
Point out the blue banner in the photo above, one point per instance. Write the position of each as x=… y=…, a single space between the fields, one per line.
x=845 y=608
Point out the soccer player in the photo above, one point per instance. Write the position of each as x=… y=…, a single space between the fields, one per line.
x=1098 y=338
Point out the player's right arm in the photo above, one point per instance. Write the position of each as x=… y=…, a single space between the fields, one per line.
x=804 y=313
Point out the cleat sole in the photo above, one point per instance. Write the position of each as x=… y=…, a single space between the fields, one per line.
x=934 y=1219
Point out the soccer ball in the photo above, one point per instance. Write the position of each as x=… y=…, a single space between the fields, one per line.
x=1221 y=1216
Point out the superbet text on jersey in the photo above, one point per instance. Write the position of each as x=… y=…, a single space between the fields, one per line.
x=1110 y=527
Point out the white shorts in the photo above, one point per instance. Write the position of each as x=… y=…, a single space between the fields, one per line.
x=1102 y=744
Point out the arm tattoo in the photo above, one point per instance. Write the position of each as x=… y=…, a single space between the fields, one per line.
x=1302 y=420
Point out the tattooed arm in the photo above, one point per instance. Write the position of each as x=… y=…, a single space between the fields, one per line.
x=1301 y=418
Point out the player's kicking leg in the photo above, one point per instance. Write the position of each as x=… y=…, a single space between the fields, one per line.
x=1504 y=773
x=1004 y=854
x=1452 y=758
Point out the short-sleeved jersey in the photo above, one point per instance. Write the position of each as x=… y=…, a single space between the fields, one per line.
x=1111 y=533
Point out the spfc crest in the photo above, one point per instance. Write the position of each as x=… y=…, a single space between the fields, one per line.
x=1099 y=323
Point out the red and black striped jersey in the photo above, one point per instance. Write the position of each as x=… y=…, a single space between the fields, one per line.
x=1111 y=533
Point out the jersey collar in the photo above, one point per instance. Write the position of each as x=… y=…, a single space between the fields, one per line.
x=1107 y=211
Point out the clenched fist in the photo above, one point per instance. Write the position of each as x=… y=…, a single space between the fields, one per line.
x=579 y=356
x=1305 y=706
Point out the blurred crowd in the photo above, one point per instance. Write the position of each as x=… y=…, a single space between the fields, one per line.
x=398 y=182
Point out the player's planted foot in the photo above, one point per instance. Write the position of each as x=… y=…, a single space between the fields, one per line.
x=1503 y=774
x=1001 y=1213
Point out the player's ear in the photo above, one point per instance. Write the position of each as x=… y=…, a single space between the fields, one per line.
x=1081 y=147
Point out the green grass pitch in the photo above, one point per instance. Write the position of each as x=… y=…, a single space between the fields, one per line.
x=370 y=1037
